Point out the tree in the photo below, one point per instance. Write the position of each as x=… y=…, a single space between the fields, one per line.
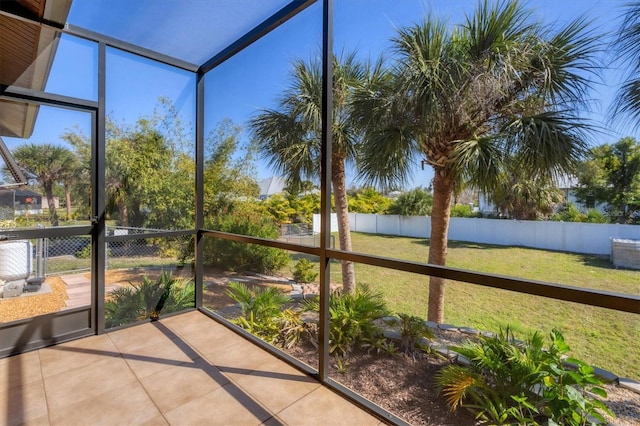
x=525 y=199
x=368 y=200
x=417 y=202
x=627 y=102
x=499 y=90
x=289 y=137
x=611 y=175
x=50 y=164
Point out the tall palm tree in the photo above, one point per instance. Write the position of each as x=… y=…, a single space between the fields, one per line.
x=50 y=164
x=289 y=136
x=499 y=91
x=627 y=41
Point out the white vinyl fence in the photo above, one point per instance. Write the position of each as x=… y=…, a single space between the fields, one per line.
x=588 y=238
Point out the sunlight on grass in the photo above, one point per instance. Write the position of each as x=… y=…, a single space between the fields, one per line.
x=599 y=336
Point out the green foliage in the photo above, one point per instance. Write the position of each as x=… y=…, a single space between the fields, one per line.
x=510 y=381
x=569 y=212
x=417 y=202
x=368 y=200
x=148 y=299
x=462 y=210
x=304 y=271
x=611 y=175
x=353 y=320
x=263 y=315
x=525 y=198
x=412 y=330
x=237 y=256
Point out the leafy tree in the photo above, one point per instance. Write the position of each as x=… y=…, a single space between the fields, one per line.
x=290 y=136
x=368 y=200
x=501 y=89
x=50 y=164
x=417 y=202
x=611 y=175
x=627 y=102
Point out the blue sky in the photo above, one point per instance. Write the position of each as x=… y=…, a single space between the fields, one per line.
x=253 y=79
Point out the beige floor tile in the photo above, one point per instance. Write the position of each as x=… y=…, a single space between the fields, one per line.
x=276 y=385
x=324 y=407
x=156 y=421
x=226 y=406
x=87 y=382
x=212 y=339
x=240 y=355
x=136 y=336
x=40 y=421
x=178 y=385
x=19 y=370
x=189 y=323
x=23 y=404
x=78 y=353
x=148 y=360
x=127 y=405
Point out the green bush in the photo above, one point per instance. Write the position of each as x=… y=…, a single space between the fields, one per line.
x=304 y=272
x=353 y=320
x=510 y=381
x=412 y=330
x=237 y=256
x=417 y=202
x=463 y=210
x=148 y=300
x=264 y=314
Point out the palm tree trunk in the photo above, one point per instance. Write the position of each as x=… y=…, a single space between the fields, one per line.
x=338 y=181
x=53 y=214
x=442 y=193
x=67 y=198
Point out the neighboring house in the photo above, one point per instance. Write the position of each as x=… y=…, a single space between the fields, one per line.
x=18 y=202
x=271 y=186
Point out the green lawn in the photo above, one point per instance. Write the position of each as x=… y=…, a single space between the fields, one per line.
x=599 y=336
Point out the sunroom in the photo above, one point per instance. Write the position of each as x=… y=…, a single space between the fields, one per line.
x=139 y=132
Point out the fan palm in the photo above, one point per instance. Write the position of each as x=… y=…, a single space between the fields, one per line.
x=289 y=137
x=627 y=42
x=498 y=92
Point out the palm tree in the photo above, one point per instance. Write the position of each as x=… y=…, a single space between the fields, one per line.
x=627 y=42
x=289 y=136
x=50 y=164
x=499 y=91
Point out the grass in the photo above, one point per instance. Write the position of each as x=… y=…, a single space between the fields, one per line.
x=602 y=337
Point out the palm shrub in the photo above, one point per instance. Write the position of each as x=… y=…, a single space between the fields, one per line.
x=353 y=320
x=148 y=299
x=510 y=381
x=264 y=314
x=412 y=330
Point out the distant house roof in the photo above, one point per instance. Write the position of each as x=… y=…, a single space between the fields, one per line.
x=271 y=186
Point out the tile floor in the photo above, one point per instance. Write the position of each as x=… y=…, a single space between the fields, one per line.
x=182 y=370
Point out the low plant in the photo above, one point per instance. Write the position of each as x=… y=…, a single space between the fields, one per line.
x=148 y=299
x=304 y=271
x=353 y=320
x=412 y=330
x=510 y=381
x=262 y=309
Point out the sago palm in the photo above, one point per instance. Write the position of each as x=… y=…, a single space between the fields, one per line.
x=499 y=92
x=289 y=137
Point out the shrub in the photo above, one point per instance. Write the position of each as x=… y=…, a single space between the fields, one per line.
x=510 y=381
x=304 y=271
x=263 y=314
x=353 y=320
x=417 y=202
x=148 y=299
x=412 y=330
x=237 y=256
